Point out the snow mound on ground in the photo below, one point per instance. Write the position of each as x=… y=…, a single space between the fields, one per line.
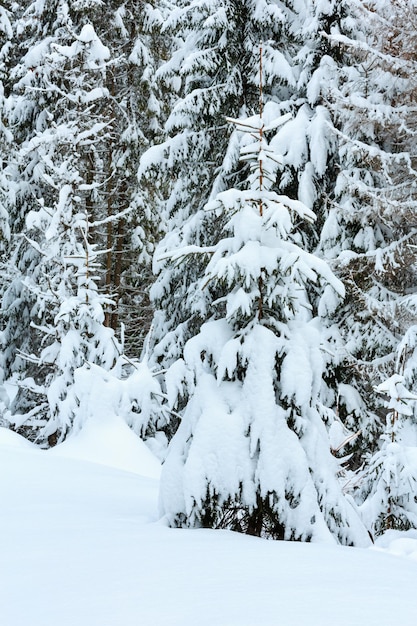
x=399 y=543
x=108 y=440
x=10 y=438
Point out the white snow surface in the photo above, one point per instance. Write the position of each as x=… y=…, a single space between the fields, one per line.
x=81 y=544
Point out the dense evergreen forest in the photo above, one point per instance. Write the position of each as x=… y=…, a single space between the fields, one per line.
x=207 y=216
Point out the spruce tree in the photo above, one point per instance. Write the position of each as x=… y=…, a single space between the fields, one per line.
x=369 y=233
x=82 y=110
x=131 y=111
x=252 y=452
x=57 y=231
x=390 y=484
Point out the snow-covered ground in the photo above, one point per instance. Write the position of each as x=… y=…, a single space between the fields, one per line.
x=81 y=545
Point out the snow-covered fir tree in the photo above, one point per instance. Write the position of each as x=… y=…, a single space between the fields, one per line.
x=369 y=232
x=387 y=491
x=57 y=230
x=252 y=452
x=82 y=112
x=75 y=125
x=391 y=478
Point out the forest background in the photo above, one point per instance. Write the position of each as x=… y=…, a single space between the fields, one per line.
x=207 y=215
